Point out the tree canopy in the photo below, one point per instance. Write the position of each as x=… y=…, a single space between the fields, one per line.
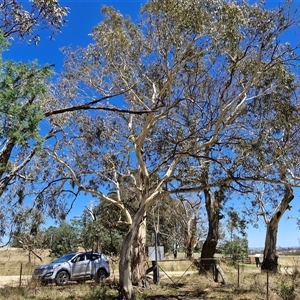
x=207 y=104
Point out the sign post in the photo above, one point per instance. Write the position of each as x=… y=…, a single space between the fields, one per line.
x=156 y=253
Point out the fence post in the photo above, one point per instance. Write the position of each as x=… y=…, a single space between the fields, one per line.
x=21 y=271
x=215 y=272
x=267 y=284
x=155 y=263
x=238 y=279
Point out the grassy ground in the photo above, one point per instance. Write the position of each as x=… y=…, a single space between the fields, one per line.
x=189 y=287
x=243 y=282
x=15 y=260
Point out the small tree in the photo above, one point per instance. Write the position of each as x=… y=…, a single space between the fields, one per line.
x=236 y=248
x=235 y=243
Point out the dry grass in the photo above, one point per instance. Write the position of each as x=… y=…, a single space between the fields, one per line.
x=15 y=260
x=189 y=287
x=177 y=282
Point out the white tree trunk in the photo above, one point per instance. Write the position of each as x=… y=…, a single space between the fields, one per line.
x=138 y=259
x=125 y=280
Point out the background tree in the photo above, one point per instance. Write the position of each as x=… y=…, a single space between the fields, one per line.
x=179 y=221
x=234 y=244
x=100 y=229
x=27 y=232
x=188 y=213
x=253 y=65
x=235 y=249
x=63 y=239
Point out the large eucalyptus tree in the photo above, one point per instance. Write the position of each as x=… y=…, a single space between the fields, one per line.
x=192 y=76
x=248 y=93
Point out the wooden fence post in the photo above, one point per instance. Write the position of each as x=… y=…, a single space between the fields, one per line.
x=267 y=285
x=21 y=271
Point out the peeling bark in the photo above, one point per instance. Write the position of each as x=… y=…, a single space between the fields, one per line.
x=190 y=237
x=125 y=280
x=138 y=260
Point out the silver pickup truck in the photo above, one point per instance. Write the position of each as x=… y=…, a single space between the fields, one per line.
x=74 y=267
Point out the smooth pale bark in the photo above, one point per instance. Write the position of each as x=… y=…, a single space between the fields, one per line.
x=190 y=237
x=125 y=280
x=138 y=259
x=270 y=253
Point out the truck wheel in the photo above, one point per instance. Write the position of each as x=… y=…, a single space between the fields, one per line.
x=101 y=275
x=62 y=278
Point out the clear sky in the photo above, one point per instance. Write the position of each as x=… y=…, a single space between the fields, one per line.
x=84 y=15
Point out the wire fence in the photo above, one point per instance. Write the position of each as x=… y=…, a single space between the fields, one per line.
x=244 y=275
x=284 y=282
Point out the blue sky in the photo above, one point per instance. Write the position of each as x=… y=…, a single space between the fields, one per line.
x=84 y=15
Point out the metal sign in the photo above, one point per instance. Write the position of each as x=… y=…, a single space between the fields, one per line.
x=160 y=253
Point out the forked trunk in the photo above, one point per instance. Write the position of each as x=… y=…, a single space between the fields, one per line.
x=213 y=205
x=270 y=261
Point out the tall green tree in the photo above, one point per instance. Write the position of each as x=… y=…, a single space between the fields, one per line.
x=20 y=113
x=21 y=88
x=257 y=73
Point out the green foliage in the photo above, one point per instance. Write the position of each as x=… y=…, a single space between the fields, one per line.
x=63 y=239
x=20 y=85
x=235 y=249
x=287 y=290
x=101 y=232
x=18 y=21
